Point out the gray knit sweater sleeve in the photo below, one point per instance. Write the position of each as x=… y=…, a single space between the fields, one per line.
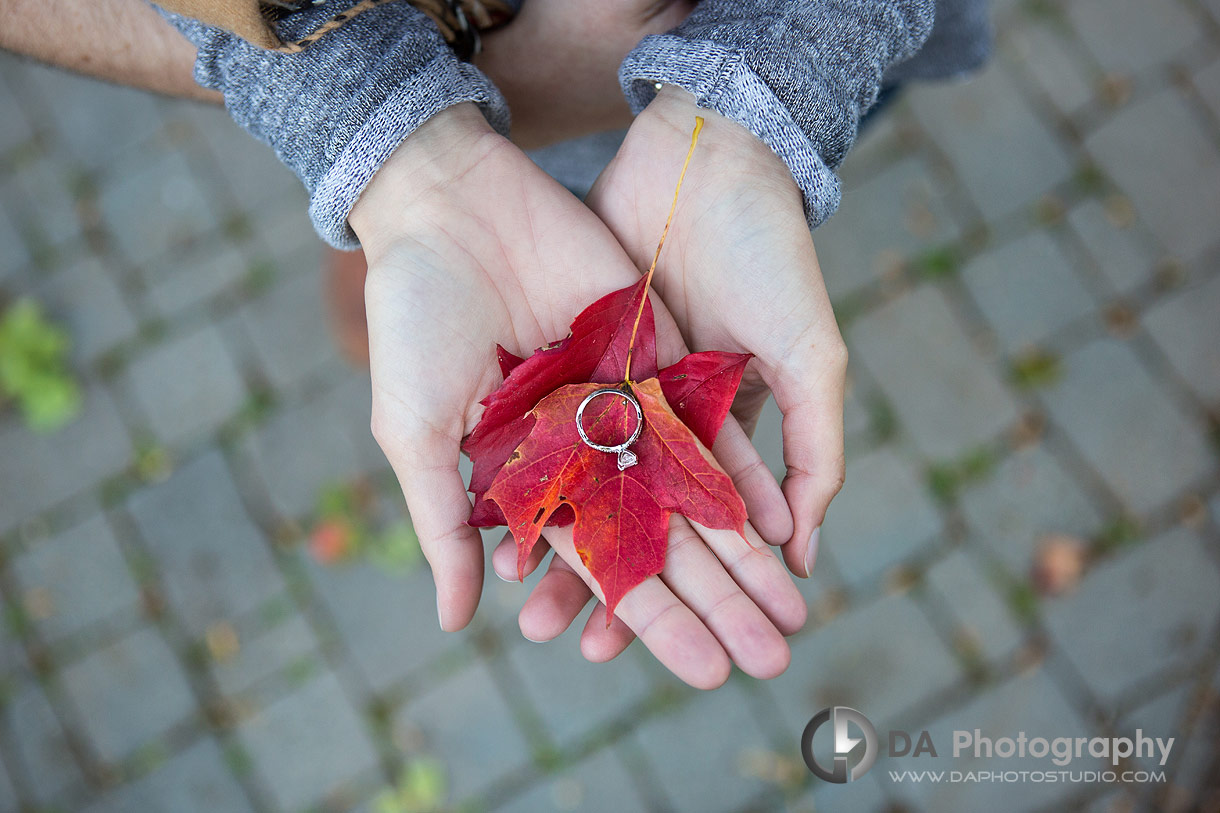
x=796 y=73
x=334 y=112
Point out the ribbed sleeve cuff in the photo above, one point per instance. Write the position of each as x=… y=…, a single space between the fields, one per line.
x=442 y=83
x=720 y=80
x=334 y=112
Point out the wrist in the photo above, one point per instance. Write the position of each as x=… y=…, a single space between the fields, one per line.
x=446 y=147
x=730 y=150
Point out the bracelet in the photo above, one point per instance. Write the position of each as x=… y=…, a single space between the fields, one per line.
x=459 y=21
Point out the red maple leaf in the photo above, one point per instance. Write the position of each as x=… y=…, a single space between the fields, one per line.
x=532 y=468
x=622 y=517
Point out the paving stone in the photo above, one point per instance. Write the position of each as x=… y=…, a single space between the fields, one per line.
x=882 y=517
x=1129 y=36
x=82 y=573
x=251 y=174
x=1214 y=7
x=308 y=745
x=1054 y=61
x=128 y=693
x=289 y=329
x=212 y=559
x=155 y=207
x=947 y=397
x=39 y=743
x=882 y=658
x=1122 y=257
x=13 y=253
x=174 y=283
x=1158 y=154
x=859 y=794
x=1186 y=328
x=1002 y=152
x=15 y=128
x=1126 y=426
x=85 y=298
x=893 y=216
x=41 y=201
x=193 y=781
x=1161 y=600
x=290 y=240
x=1030 y=702
x=303 y=449
x=187 y=386
x=407 y=635
x=977 y=606
x=1162 y=717
x=1028 y=496
x=598 y=782
x=465 y=722
x=265 y=654
x=1027 y=290
x=577 y=163
x=1207 y=81
x=13 y=660
x=560 y=682
x=700 y=752
x=8 y=796
x=41 y=469
x=97 y=121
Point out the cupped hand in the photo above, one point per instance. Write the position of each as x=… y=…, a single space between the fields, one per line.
x=739 y=273
x=470 y=244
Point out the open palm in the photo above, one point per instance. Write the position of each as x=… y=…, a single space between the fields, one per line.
x=470 y=244
x=741 y=274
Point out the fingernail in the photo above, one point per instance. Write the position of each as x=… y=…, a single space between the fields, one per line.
x=439 y=616
x=811 y=554
x=501 y=578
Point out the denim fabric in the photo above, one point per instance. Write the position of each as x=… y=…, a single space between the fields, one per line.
x=800 y=75
x=797 y=73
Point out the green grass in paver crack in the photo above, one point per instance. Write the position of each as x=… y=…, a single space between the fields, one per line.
x=1089 y=180
x=937 y=263
x=948 y=478
x=1036 y=369
x=152 y=462
x=421 y=788
x=259 y=277
x=882 y=420
x=238 y=760
x=34 y=370
x=1050 y=210
x=1120 y=532
x=353 y=522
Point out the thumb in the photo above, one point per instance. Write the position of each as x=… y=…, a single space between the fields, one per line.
x=809 y=392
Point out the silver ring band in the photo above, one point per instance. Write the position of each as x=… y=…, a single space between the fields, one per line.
x=626 y=459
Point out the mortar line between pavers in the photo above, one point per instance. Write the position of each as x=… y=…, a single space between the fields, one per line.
x=202 y=685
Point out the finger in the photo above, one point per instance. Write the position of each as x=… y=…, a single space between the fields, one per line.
x=809 y=391
x=600 y=642
x=426 y=464
x=696 y=577
x=554 y=603
x=504 y=558
x=672 y=633
x=760 y=574
x=765 y=502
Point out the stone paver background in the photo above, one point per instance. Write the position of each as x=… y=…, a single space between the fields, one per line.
x=1027 y=270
